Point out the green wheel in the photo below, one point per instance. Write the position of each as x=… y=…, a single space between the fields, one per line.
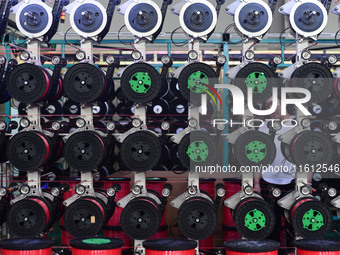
x=260 y=78
x=196 y=149
x=193 y=79
x=254 y=148
x=141 y=83
x=254 y=218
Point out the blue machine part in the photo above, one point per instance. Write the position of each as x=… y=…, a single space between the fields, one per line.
x=143 y=17
x=34 y=18
x=198 y=17
x=253 y=17
x=88 y=18
x=308 y=17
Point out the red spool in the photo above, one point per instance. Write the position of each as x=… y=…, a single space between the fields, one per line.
x=248 y=247
x=232 y=186
x=26 y=246
x=207 y=185
x=317 y=247
x=157 y=184
x=96 y=246
x=112 y=227
x=65 y=236
x=174 y=246
x=161 y=233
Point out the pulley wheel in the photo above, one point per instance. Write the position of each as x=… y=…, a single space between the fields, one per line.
x=311 y=218
x=179 y=108
x=197 y=218
x=195 y=80
x=28 y=83
x=29 y=150
x=174 y=88
x=159 y=109
x=140 y=218
x=254 y=218
x=197 y=148
x=85 y=150
x=84 y=83
x=70 y=107
x=316 y=78
x=141 y=83
x=141 y=151
x=311 y=148
x=254 y=148
x=260 y=78
x=29 y=217
x=85 y=217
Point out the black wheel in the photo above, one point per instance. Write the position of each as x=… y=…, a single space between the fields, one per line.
x=85 y=217
x=84 y=83
x=315 y=77
x=28 y=83
x=29 y=150
x=254 y=148
x=197 y=148
x=159 y=109
x=254 y=218
x=285 y=149
x=197 y=218
x=29 y=217
x=174 y=88
x=85 y=150
x=311 y=218
x=141 y=151
x=140 y=218
x=179 y=108
x=141 y=83
x=195 y=79
x=311 y=148
x=260 y=78
x=71 y=108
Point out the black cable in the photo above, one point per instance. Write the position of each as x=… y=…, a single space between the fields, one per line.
x=335 y=38
x=180 y=44
x=281 y=34
x=65 y=37
x=125 y=43
x=13 y=41
x=226 y=30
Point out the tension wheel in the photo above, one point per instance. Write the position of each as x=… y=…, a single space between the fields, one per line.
x=195 y=80
x=28 y=83
x=260 y=78
x=197 y=148
x=29 y=150
x=85 y=217
x=197 y=218
x=140 y=218
x=141 y=151
x=316 y=78
x=141 y=83
x=85 y=150
x=254 y=218
x=311 y=218
x=84 y=83
x=254 y=148
x=311 y=147
x=29 y=217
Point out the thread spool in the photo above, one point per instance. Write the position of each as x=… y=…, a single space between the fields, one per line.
x=72 y=182
x=112 y=227
x=175 y=246
x=96 y=246
x=156 y=184
x=248 y=247
x=207 y=185
x=26 y=246
x=317 y=247
x=232 y=186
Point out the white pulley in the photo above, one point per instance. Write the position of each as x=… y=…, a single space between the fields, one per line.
x=88 y=18
x=142 y=18
x=33 y=18
x=252 y=18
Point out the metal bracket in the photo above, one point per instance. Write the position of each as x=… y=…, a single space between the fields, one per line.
x=33 y=48
x=33 y=115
